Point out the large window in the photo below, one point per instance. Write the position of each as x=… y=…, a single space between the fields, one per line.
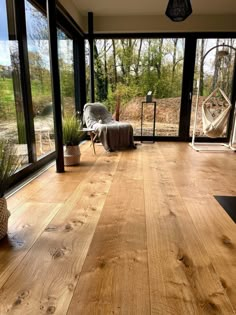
x=66 y=68
x=215 y=71
x=12 y=122
x=40 y=78
x=126 y=69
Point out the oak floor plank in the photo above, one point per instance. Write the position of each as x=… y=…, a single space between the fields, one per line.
x=182 y=277
x=45 y=279
x=45 y=180
x=25 y=226
x=215 y=228
x=114 y=279
x=218 y=233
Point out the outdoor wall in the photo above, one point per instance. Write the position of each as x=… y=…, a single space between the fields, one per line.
x=136 y=24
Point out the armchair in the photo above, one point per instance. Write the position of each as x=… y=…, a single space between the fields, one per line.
x=113 y=135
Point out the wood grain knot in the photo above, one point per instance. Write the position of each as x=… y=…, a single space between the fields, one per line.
x=187 y=262
x=51 y=310
x=25 y=226
x=223 y=282
x=68 y=227
x=57 y=253
x=51 y=228
x=24 y=294
x=102 y=263
x=17 y=301
x=70 y=287
x=227 y=241
x=171 y=213
x=77 y=221
x=210 y=307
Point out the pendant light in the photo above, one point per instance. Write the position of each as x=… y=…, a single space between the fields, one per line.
x=178 y=10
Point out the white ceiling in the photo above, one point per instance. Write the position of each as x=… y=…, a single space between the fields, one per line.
x=151 y=7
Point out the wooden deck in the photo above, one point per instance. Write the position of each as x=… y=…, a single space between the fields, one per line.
x=135 y=232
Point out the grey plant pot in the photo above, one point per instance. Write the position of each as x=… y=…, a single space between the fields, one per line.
x=72 y=155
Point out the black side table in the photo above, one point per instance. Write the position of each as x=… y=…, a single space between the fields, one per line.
x=154 y=118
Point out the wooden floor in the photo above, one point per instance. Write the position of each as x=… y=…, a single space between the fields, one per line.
x=135 y=232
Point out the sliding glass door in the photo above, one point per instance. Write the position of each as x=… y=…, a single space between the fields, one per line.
x=126 y=69
x=40 y=79
x=12 y=118
x=216 y=71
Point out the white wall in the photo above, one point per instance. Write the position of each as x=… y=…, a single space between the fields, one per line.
x=152 y=23
x=194 y=23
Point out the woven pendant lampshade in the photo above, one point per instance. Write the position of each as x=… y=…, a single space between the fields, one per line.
x=178 y=10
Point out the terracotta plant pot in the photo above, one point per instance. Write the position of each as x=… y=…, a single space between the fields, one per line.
x=4 y=215
x=72 y=155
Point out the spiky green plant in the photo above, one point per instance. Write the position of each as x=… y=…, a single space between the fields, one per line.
x=9 y=162
x=72 y=130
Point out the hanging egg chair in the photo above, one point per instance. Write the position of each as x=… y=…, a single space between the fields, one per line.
x=215 y=113
x=216 y=110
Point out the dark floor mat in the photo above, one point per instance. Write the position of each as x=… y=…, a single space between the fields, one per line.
x=229 y=204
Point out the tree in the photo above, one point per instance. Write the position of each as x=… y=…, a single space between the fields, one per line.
x=114 y=65
x=216 y=66
x=100 y=81
x=201 y=82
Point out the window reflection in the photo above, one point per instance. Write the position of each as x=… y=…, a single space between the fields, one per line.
x=66 y=68
x=39 y=64
x=12 y=122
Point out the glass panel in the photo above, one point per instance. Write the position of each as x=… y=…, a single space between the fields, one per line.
x=66 y=68
x=12 y=122
x=38 y=50
x=216 y=72
x=126 y=69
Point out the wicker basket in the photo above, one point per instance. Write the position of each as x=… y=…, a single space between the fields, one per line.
x=4 y=215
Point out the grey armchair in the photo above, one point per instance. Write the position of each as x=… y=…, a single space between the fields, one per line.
x=113 y=135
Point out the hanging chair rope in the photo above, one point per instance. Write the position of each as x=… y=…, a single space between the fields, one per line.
x=213 y=125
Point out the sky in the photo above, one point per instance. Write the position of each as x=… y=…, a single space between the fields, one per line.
x=37 y=36
x=4 y=47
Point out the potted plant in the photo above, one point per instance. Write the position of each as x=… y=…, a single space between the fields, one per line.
x=9 y=162
x=72 y=134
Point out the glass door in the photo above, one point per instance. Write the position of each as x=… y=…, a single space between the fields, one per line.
x=12 y=118
x=216 y=71
x=126 y=69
